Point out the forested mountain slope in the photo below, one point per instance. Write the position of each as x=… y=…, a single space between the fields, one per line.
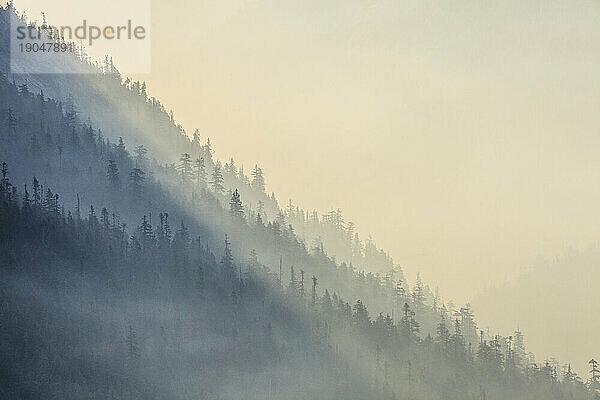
x=86 y=312
x=118 y=279
x=121 y=108
x=95 y=124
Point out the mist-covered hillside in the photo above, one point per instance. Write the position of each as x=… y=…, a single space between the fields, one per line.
x=550 y=301
x=135 y=265
x=122 y=108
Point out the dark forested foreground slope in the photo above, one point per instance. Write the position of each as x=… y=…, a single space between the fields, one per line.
x=118 y=279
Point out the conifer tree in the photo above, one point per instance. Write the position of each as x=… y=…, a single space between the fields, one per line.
x=164 y=230
x=442 y=331
x=136 y=182
x=235 y=205
x=258 y=180
x=293 y=286
x=4 y=183
x=594 y=373
x=227 y=259
x=120 y=148
x=37 y=195
x=458 y=341
x=26 y=200
x=146 y=233
x=208 y=151
x=196 y=137
x=112 y=173
x=301 y=284
x=200 y=171
x=92 y=219
x=217 y=179
x=182 y=236
x=361 y=316
x=140 y=156
x=104 y=219
x=253 y=263
x=418 y=294
x=11 y=121
x=410 y=327
x=185 y=168
x=230 y=167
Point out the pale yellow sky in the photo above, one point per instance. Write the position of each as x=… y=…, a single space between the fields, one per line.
x=462 y=134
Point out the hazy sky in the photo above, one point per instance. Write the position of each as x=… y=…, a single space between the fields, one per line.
x=462 y=134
